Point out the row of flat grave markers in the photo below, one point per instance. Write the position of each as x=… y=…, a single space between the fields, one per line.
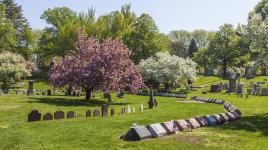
x=138 y=133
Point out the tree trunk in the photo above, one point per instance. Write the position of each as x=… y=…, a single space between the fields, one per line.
x=151 y=99
x=88 y=92
x=224 y=68
x=264 y=70
x=166 y=87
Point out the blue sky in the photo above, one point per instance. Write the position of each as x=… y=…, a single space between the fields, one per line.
x=168 y=14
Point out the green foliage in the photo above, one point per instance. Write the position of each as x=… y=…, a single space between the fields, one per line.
x=145 y=39
x=192 y=48
x=12 y=69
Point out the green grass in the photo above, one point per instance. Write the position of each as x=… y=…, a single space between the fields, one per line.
x=250 y=132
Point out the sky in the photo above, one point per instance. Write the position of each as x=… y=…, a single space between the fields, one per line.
x=168 y=14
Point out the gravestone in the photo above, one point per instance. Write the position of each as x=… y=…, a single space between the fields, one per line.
x=104 y=110
x=231 y=116
x=182 y=125
x=258 y=91
x=128 y=109
x=137 y=133
x=49 y=92
x=215 y=88
x=59 y=115
x=88 y=113
x=170 y=127
x=48 y=116
x=224 y=117
x=240 y=88
x=17 y=92
x=122 y=110
x=112 y=112
x=34 y=115
x=141 y=108
x=156 y=130
x=133 y=110
x=264 y=92
x=193 y=123
x=251 y=85
x=237 y=116
x=96 y=113
x=211 y=120
x=70 y=114
x=232 y=85
x=202 y=121
x=30 y=88
x=218 y=118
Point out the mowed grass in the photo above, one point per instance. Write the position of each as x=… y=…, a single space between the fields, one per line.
x=250 y=132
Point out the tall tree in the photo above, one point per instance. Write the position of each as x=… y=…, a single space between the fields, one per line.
x=192 y=48
x=104 y=66
x=15 y=16
x=145 y=39
x=224 y=48
x=180 y=40
x=7 y=32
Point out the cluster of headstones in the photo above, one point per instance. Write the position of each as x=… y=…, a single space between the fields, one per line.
x=128 y=109
x=257 y=89
x=35 y=115
x=219 y=87
x=138 y=133
x=165 y=95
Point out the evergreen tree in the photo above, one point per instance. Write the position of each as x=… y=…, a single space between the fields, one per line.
x=192 y=48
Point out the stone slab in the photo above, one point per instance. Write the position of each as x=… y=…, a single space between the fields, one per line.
x=137 y=133
x=157 y=130
x=202 y=121
x=211 y=120
x=183 y=125
x=170 y=127
x=193 y=123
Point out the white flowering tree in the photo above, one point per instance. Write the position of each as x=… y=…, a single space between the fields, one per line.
x=167 y=69
x=12 y=69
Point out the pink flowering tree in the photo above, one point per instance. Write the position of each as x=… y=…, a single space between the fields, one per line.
x=96 y=66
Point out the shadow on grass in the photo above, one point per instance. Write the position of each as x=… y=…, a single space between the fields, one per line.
x=257 y=122
x=72 y=102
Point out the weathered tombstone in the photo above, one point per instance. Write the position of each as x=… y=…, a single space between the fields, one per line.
x=224 y=116
x=88 y=113
x=202 y=121
x=104 y=110
x=264 y=92
x=258 y=91
x=232 y=85
x=34 y=115
x=156 y=130
x=137 y=133
x=59 y=115
x=70 y=114
x=30 y=88
x=112 y=112
x=128 y=109
x=122 y=110
x=251 y=85
x=218 y=118
x=170 y=127
x=193 y=123
x=141 y=108
x=17 y=92
x=133 y=110
x=240 y=88
x=48 y=116
x=49 y=92
x=215 y=88
x=96 y=113
x=231 y=116
x=211 y=120
x=182 y=125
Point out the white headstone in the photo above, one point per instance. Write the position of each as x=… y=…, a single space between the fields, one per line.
x=128 y=109
x=133 y=109
x=141 y=108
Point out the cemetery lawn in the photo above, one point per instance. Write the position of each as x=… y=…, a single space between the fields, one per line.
x=250 y=132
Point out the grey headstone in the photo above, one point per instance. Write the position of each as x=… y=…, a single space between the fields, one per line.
x=96 y=113
x=104 y=110
x=193 y=123
x=170 y=127
x=34 y=115
x=218 y=118
x=59 y=115
x=264 y=92
x=112 y=112
x=231 y=116
x=156 y=130
x=202 y=121
x=182 y=125
x=224 y=116
x=88 y=113
x=70 y=114
x=48 y=116
x=137 y=133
